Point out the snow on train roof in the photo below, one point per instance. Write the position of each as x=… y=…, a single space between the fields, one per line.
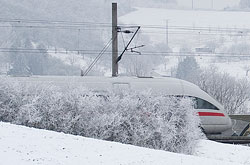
x=163 y=85
x=163 y=82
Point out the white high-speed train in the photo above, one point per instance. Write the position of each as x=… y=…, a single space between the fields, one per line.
x=214 y=119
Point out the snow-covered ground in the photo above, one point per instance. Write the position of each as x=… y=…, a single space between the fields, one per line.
x=237 y=69
x=28 y=146
x=71 y=58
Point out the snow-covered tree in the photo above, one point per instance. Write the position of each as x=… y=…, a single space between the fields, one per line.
x=188 y=69
x=244 y=4
x=232 y=93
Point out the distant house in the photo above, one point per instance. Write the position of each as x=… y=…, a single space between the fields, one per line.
x=204 y=50
x=4 y=68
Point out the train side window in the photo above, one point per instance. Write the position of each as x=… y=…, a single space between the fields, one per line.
x=199 y=103
x=203 y=104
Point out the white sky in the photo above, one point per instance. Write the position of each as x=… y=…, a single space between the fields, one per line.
x=206 y=4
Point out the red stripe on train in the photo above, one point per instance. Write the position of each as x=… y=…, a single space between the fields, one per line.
x=210 y=114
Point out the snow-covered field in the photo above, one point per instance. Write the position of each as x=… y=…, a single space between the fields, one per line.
x=71 y=58
x=190 y=28
x=192 y=18
x=226 y=27
x=206 y=4
x=237 y=69
x=28 y=146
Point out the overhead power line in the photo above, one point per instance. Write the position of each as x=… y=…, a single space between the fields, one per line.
x=101 y=26
x=97 y=57
x=92 y=26
x=34 y=21
x=53 y=27
x=144 y=53
x=73 y=24
x=173 y=32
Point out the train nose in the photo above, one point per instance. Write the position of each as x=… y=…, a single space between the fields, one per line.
x=215 y=122
x=213 y=118
x=229 y=121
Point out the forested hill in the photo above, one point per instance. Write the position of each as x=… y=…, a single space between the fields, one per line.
x=56 y=10
x=91 y=36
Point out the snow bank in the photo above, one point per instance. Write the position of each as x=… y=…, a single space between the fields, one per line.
x=224 y=152
x=28 y=146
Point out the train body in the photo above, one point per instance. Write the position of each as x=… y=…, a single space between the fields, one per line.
x=214 y=119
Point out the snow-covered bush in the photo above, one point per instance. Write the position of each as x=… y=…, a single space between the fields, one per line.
x=142 y=119
x=231 y=92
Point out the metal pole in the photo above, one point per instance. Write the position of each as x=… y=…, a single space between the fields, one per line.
x=114 y=41
x=167 y=33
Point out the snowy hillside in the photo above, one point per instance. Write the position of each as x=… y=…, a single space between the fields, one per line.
x=81 y=62
x=205 y=4
x=181 y=23
x=196 y=18
x=224 y=32
x=29 y=146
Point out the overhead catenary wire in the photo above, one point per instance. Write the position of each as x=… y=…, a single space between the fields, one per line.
x=62 y=22
x=39 y=21
x=93 y=26
x=28 y=23
x=97 y=57
x=143 y=32
x=144 y=53
x=236 y=33
x=154 y=29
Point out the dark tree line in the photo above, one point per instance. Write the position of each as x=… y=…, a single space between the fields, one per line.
x=245 y=4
